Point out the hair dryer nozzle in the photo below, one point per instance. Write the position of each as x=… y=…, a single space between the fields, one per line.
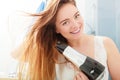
x=61 y=47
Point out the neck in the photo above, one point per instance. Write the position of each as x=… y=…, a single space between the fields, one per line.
x=79 y=42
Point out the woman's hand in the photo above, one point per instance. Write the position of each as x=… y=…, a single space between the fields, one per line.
x=80 y=76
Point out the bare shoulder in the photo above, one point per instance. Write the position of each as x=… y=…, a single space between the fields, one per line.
x=108 y=41
x=110 y=44
x=113 y=58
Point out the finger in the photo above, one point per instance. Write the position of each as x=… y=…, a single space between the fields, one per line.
x=83 y=76
x=77 y=77
x=73 y=66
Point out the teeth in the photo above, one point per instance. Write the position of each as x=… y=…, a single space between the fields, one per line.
x=76 y=31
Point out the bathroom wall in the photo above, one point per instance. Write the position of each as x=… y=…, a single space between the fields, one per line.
x=103 y=16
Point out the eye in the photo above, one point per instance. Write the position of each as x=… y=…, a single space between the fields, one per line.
x=65 y=23
x=77 y=16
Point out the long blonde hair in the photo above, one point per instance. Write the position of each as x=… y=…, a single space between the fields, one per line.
x=40 y=55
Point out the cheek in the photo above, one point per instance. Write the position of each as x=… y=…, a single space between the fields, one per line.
x=65 y=33
x=62 y=31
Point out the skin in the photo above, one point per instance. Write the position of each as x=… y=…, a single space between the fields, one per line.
x=70 y=24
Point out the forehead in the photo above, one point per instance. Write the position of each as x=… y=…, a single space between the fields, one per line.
x=66 y=11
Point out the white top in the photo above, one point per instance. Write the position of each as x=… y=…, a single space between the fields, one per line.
x=66 y=72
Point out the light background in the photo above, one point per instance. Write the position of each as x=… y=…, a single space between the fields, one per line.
x=102 y=17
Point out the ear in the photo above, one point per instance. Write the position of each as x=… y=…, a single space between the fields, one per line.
x=57 y=31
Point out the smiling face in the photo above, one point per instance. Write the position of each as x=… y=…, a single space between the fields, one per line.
x=69 y=23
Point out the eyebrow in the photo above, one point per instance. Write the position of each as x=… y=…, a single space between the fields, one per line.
x=68 y=18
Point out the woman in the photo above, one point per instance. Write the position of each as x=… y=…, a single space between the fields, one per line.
x=61 y=21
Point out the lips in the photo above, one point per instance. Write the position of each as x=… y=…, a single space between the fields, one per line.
x=76 y=31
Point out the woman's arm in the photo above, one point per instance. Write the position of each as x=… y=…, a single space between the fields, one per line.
x=113 y=58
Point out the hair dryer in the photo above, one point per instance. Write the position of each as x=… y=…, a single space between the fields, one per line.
x=90 y=67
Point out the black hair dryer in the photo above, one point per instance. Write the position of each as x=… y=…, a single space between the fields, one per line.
x=90 y=67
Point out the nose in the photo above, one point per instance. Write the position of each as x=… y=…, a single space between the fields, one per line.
x=75 y=24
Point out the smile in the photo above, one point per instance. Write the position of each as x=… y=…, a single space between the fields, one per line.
x=76 y=31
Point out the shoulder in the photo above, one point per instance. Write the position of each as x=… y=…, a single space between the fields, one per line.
x=113 y=57
x=110 y=47
x=109 y=43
